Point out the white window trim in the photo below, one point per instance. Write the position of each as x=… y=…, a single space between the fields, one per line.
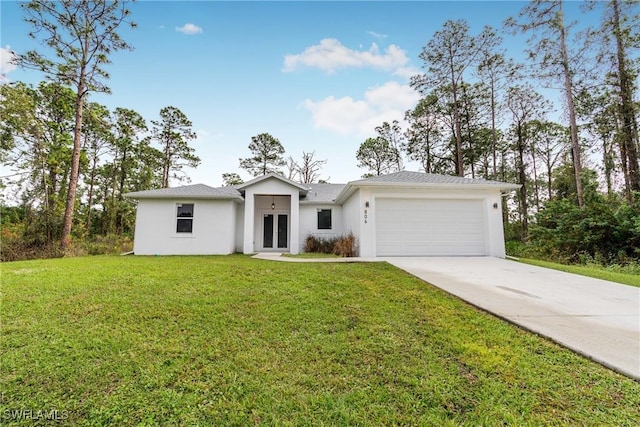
x=184 y=234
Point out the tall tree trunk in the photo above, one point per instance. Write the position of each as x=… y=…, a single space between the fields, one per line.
x=522 y=175
x=607 y=161
x=626 y=108
x=623 y=166
x=568 y=88
x=427 y=165
x=469 y=136
x=92 y=181
x=549 y=172
x=75 y=165
x=458 y=126
x=165 y=167
x=48 y=199
x=535 y=179
x=123 y=177
x=494 y=132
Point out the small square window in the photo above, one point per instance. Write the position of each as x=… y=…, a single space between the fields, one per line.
x=324 y=219
x=184 y=223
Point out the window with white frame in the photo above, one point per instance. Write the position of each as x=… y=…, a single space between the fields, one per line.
x=184 y=222
x=324 y=219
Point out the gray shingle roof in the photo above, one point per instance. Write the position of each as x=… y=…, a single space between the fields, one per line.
x=195 y=191
x=408 y=177
x=316 y=193
x=322 y=192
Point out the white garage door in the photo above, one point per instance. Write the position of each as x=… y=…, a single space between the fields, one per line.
x=419 y=227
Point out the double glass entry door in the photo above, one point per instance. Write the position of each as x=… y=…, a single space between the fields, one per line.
x=275 y=230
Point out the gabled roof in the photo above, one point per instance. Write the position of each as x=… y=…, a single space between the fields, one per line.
x=423 y=180
x=303 y=189
x=409 y=177
x=195 y=191
x=320 y=193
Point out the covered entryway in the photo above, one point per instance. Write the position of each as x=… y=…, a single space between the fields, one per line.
x=430 y=227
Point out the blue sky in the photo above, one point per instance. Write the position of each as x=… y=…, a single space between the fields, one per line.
x=319 y=76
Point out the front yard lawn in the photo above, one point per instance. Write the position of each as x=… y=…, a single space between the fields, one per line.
x=238 y=341
x=598 y=272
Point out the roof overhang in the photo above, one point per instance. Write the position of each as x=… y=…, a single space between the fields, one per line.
x=351 y=187
x=181 y=197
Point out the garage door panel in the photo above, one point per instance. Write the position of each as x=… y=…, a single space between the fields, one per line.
x=414 y=227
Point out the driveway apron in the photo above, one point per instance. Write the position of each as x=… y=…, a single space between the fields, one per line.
x=596 y=318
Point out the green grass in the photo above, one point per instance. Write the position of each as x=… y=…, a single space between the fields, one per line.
x=599 y=272
x=238 y=341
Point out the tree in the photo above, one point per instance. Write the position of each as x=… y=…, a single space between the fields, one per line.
x=447 y=56
x=309 y=168
x=173 y=133
x=620 y=28
x=548 y=43
x=292 y=168
x=424 y=133
x=128 y=138
x=82 y=35
x=231 y=178
x=600 y=111
x=36 y=127
x=495 y=71
x=473 y=104
x=97 y=137
x=267 y=156
x=525 y=105
x=377 y=155
x=392 y=133
x=550 y=142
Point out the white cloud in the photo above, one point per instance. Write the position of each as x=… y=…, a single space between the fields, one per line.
x=330 y=55
x=348 y=116
x=189 y=29
x=407 y=72
x=205 y=135
x=6 y=64
x=377 y=35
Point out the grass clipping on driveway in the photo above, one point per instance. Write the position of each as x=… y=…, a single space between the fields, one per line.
x=237 y=341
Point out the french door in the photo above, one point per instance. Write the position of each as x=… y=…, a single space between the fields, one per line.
x=275 y=230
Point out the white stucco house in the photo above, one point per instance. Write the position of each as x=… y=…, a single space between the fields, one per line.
x=400 y=214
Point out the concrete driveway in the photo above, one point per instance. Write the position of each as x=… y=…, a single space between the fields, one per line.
x=596 y=318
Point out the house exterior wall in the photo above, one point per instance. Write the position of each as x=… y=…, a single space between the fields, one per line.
x=353 y=217
x=309 y=222
x=252 y=212
x=239 y=227
x=213 y=228
x=223 y=226
x=493 y=216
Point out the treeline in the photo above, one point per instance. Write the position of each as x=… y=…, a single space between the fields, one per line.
x=120 y=152
x=484 y=115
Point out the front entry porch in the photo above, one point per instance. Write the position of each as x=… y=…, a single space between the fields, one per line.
x=271 y=215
